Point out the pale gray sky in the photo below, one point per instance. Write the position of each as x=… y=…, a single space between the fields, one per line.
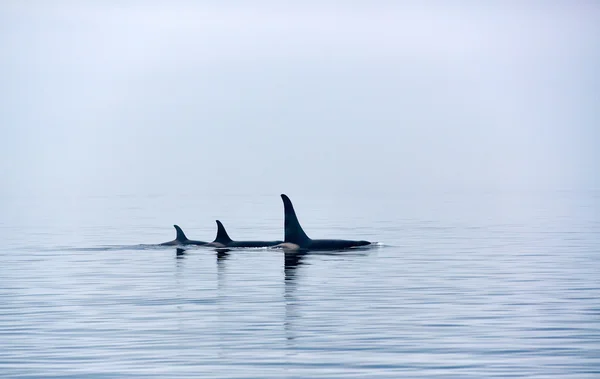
x=148 y=97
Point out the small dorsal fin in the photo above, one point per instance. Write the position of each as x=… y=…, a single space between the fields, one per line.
x=222 y=236
x=180 y=234
x=293 y=230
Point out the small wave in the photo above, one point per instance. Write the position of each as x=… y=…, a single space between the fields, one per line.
x=108 y=248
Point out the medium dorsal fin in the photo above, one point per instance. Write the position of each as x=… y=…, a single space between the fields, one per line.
x=180 y=234
x=222 y=236
x=293 y=230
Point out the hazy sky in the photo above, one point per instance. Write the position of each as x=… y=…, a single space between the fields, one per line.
x=147 y=97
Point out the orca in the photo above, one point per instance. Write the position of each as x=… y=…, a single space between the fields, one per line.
x=296 y=239
x=223 y=240
x=181 y=239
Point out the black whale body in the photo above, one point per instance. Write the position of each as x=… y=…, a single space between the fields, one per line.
x=181 y=239
x=296 y=238
x=223 y=240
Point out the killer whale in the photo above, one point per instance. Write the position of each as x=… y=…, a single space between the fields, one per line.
x=181 y=239
x=296 y=239
x=223 y=240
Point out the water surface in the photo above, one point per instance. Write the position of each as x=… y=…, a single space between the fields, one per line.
x=461 y=285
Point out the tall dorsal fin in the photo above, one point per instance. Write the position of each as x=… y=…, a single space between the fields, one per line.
x=180 y=234
x=293 y=230
x=222 y=236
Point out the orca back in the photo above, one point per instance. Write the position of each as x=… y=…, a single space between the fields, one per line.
x=334 y=244
x=293 y=231
x=222 y=236
x=180 y=234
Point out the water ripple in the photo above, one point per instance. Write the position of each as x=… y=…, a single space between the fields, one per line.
x=464 y=297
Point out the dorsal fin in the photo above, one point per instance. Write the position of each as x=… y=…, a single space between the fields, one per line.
x=180 y=234
x=222 y=236
x=293 y=230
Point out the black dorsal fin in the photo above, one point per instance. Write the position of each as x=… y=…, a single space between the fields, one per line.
x=222 y=236
x=180 y=234
x=293 y=230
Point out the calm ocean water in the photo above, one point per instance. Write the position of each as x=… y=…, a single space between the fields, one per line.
x=462 y=285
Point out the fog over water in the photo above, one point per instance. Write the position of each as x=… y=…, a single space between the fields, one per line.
x=133 y=98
